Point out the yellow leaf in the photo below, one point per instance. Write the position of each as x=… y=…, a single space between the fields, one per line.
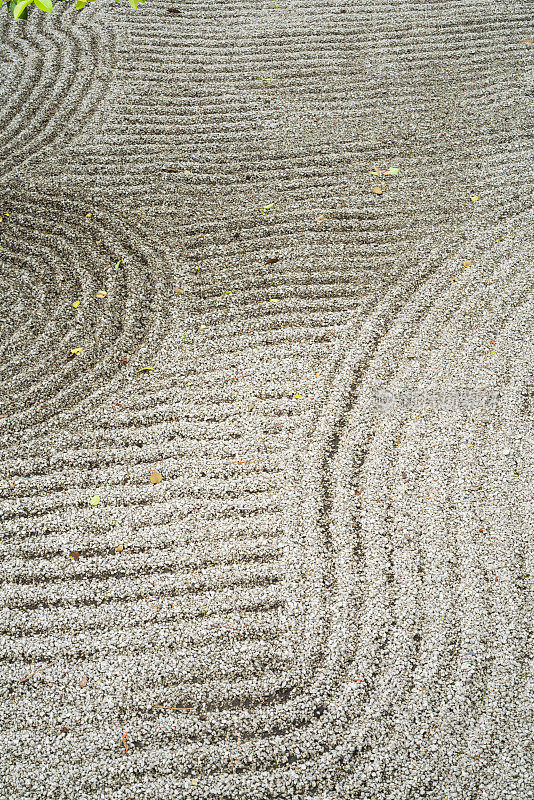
x=76 y=304
x=76 y=351
x=101 y=294
x=95 y=500
x=274 y=299
x=467 y=263
x=89 y=215
x=474 y=197
x=179 y=290
x=145 y=369
x=377 y=190
x=388 y=171
x=155 y=477
x=298 y=396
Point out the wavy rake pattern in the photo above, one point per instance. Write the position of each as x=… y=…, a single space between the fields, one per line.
x=57 y=71
x=313 y=602
x=57 y=251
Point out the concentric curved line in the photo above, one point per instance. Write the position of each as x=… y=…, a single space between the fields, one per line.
x=61 y=72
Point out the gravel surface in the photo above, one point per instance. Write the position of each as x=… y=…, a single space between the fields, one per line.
x=328 y=594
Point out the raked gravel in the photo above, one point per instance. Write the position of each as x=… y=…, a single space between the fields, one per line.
x=329 y=593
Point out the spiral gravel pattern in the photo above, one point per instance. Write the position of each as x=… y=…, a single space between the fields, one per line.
x=328 y=594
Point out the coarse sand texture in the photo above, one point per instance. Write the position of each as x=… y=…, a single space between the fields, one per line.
x=266 y=372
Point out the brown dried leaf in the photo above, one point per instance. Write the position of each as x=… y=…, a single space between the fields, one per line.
x=75 y=555
x=83 y=682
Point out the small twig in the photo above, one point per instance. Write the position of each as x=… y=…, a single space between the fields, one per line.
x=176 y=708
x=27 y=678
x=246 y=375
x=123 y=740
x=151 y=603
x=251 y=461
x=430 y=730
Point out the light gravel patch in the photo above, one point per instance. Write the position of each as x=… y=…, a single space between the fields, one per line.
x=329 y=592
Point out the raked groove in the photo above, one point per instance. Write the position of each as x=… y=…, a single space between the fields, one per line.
x=328 y=595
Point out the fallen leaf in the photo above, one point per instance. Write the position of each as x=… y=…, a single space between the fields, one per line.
x=83 y=682
x=187 y=172
x=88 y=215
x=272 y=260
x=298 y=396
x=145 y=369
x=99 y=241
x=474 y=197
x=265 y=209
x=320 y=218
x=179 y=290
x=274 y=299
x=388 y=171
x=119 y=548
x=203 y=327
x=64 y=729
x=118 y=263
x=75 y=555
x=467 y=264
x=526 y=41
x=76 y=303
x=101 y=294
x=95 y=500
x=155 y=477
x=75 y=351
x=377 y=190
